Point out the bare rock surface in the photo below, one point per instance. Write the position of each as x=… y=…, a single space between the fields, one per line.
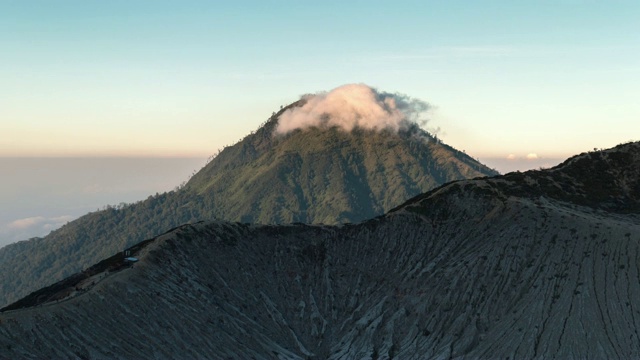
x=485 y=268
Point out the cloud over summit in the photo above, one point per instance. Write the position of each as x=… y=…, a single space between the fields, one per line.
x=354 y=106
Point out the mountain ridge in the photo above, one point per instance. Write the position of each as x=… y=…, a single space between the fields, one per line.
x=601 y=179
x=469 y=271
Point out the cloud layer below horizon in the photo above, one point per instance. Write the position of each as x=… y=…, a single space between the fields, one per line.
x=26 y=228
x=354 y=106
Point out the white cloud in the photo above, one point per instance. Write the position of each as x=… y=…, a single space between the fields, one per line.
x=354 y=105
x=25 y=223
x=26 y=228
x=29 y=222
x=511 y=157
x=532 y=156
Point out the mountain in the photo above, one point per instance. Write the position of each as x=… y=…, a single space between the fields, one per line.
x=538 y=264
x=320 y=174
x=326 y=175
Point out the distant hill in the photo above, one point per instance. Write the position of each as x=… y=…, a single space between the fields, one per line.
x=314 y=175
x=541 y=264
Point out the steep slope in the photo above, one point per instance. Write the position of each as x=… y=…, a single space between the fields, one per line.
x=328 y=175
x=482 y=268
x=317 y=175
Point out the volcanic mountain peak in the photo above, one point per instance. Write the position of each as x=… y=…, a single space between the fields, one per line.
x=323 y=172
x=355 y=108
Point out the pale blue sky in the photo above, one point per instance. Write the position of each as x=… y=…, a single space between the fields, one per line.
x=184 y=78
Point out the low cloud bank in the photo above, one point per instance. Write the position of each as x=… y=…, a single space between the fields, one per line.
x=514 y=162
x=39 y=221
x=355 y=106
x=23 y=229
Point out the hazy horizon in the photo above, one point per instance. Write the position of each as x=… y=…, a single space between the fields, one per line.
x=41 y=194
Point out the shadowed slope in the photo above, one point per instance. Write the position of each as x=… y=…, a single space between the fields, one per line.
x=468 y=269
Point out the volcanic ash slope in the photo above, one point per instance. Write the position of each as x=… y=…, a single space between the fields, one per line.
x=481 y=269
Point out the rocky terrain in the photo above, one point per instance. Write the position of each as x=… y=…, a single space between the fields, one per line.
x=541 y=264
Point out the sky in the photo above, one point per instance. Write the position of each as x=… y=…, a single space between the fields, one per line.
x=549 y=78
x=517 y=84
